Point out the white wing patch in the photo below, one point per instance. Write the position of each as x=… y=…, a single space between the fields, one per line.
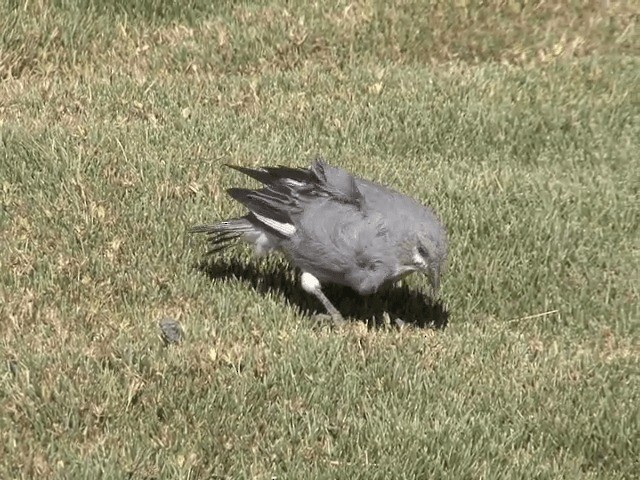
x=285 y=229
x=294 y=183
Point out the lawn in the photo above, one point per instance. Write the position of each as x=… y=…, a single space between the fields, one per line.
x=519 y=122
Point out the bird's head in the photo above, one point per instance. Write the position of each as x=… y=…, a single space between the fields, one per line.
x=425 y=250
x=430 y=256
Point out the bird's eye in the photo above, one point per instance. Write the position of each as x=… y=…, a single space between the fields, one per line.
x=422 y=251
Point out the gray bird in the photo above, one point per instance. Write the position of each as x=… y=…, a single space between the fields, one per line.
x=335 y=227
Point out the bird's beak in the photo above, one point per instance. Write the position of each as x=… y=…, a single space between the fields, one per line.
x=434 y=279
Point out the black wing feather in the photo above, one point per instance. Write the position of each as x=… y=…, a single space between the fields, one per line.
x=263 y=202
x=286 y=189
x=274 y=175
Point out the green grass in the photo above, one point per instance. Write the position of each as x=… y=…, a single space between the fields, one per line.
x=518 y=121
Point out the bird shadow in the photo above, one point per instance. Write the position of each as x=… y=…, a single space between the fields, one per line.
x=399 y=302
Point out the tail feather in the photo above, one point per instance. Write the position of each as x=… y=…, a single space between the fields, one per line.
x=221 y=235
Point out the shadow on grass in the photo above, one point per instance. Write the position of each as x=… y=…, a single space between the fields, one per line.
x=402 y=303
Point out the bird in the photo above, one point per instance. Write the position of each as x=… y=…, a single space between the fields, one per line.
x=336 y=228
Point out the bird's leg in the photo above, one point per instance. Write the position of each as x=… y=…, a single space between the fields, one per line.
x=311 y=284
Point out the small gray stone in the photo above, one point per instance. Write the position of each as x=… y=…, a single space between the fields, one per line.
x=170 y=331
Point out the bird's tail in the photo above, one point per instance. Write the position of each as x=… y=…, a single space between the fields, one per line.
x=221 y=235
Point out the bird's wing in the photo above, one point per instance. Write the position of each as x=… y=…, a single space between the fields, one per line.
x=272 y=207
x=320 y=180
x=288 y=191
x=271 y=176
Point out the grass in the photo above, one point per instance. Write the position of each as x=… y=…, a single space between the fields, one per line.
x=518 y=121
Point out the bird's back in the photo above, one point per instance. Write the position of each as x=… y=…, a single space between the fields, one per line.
x=377 y=198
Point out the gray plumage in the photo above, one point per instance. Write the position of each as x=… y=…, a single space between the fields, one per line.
x=335 y=227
